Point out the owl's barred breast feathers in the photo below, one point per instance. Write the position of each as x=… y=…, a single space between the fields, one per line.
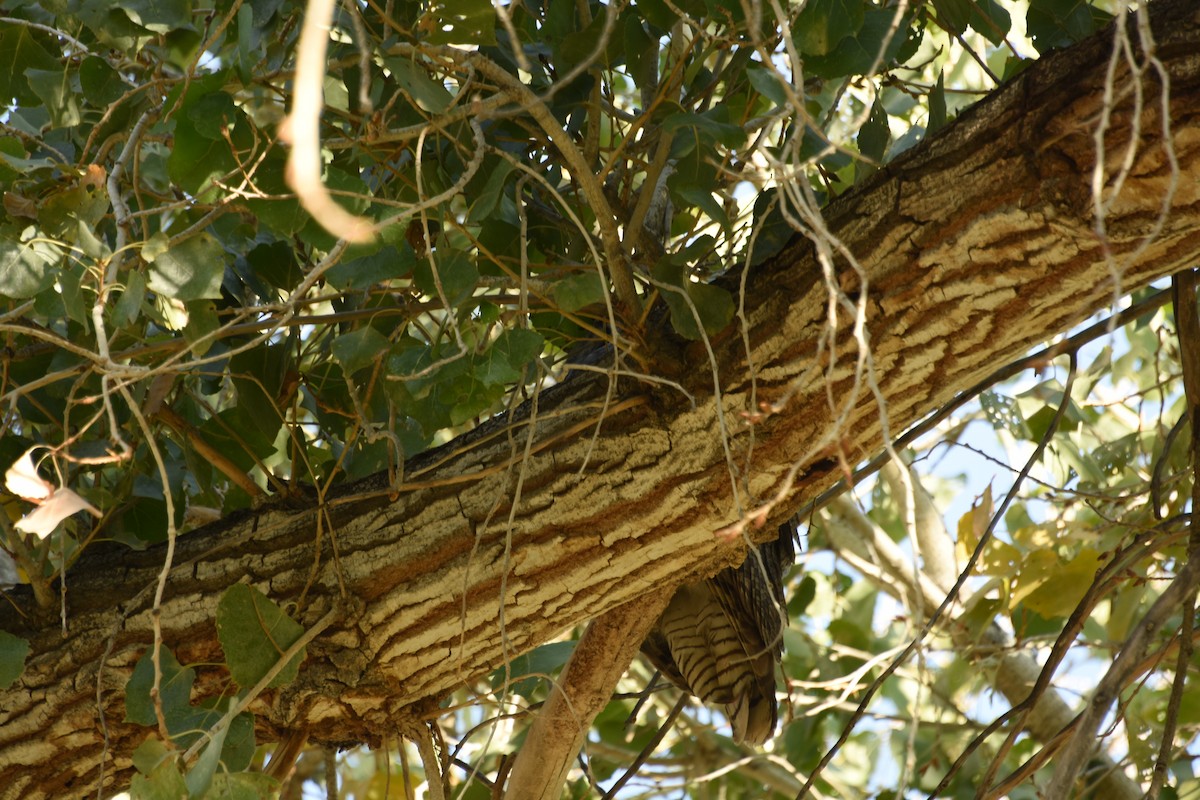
x=722 y=639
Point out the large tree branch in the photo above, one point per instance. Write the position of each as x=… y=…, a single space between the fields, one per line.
x=978 y=245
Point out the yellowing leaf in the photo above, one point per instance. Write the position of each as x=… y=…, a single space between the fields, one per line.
x=1056 y=587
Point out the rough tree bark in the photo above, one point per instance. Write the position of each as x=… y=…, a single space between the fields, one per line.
x=978 y=244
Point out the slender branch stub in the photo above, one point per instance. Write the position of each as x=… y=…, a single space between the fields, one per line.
x=301 y=129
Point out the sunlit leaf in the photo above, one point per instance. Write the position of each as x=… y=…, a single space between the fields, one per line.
x=190 y=270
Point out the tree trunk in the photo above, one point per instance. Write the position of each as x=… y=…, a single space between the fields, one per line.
x=976 y=246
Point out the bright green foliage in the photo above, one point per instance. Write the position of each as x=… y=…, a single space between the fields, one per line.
x=165 y=296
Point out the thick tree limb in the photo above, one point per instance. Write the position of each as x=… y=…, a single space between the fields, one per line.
x=978 y=245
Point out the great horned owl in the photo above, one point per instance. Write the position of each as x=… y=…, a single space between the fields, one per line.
x=722 y=639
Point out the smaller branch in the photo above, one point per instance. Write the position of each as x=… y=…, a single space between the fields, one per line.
x=1174 y=702
x=71 y=40
x=935 y=545
x=218 y=459
x=434 y=779
x=585 y=687
x=331 y=785
x=1182 y=589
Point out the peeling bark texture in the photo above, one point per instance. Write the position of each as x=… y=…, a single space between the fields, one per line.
x=978 y=245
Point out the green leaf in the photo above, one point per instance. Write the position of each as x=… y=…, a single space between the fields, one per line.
x=506 y=359
x=185 y=94
x=462 y=22
x=254 y=634
x=243 y=785
x=660 y=14
x=101 y=84
x=274 y=264
x=197 y=159
x=149 y=754
x=873 y=138
x=160 y=16
x=457 y=273
x=768 y=84
x=937 y=105
x=163 y=783
x=386 y=264
x=129 y=304
x=359 y=348
x=772 y=230
x=577 y=45
x=1004 y=414
x=954 y=15
x=10 y=146
x=200 y=776
x=984 y=16
x=489 y=195
x=243 y=437
x=432 y=95
x=705 y=201
x=715 y=306
x=711 y=125
x=687 y=301
x=70 y=285
x=992 y=20
x=1059 y=23
x=212 y=114
x=874 y=44
x=176 y=690
x=578 y=291
x=641 y=51
x=1051 y=588
x=83 y=203
x=60 y=93
x=202 y=323
x=13 y=652
x=22 y=48
x=246 y=36
x=26 y=267
x=823 y=24
x=191 y=270
x=544 y=660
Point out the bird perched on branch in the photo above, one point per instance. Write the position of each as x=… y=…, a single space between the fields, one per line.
x=722 y=639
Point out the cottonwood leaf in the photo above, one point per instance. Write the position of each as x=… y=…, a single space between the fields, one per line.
x=13 y=652
x=254 y=634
